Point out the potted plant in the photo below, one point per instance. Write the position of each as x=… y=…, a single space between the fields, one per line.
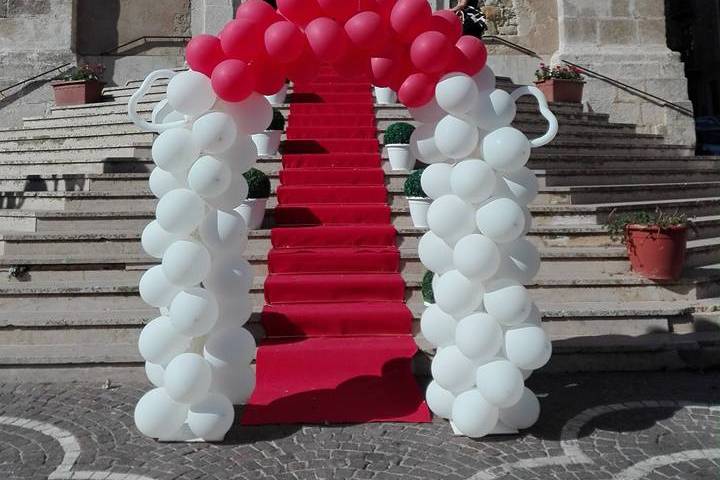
x=427 y=288
x=385 y=96
x=560 y=83
x=268 y=142
x=417 y=199
x=253 y=209
x=80 y=85
x=656 y=242
x=278 y=98
x=397 y=141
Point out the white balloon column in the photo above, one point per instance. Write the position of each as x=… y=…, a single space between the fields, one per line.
x=198 y=354
x=484 y=325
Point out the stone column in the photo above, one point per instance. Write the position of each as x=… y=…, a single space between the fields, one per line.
x=625 y=40
x=210 y=16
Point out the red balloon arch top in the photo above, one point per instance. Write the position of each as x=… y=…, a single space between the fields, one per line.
x=399 y=44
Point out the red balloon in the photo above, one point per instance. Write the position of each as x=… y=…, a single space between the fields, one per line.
x=445 y=21
x=299 y=12
x=269 y=77
x=473 y=54
x=367 y=32
x=417 y=90
x=403 y=69
x=327 y=39
x=353 y=65
x=284 y=42
x=431 y=52
x=233 y=80
x=384 y=65
x=409 y=18
x=204 y=53
x=368 y=6
x=257 y=11
x=340 y=10
x=305 y=68
x=385 y=8
x=242 y=39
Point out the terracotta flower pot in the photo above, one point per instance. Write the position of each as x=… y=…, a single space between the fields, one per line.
x=656 y=253
x=558 y=90
x=77 y=92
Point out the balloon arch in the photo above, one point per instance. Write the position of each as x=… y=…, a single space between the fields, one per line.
x=484 y=324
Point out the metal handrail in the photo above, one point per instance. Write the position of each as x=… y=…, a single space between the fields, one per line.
x=591 y=73
x=108 y=52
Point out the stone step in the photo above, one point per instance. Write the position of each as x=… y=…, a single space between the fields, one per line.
x=78 y=201
x=103 y=182
x=73 y=154
x=128 y=160
x=71 y=141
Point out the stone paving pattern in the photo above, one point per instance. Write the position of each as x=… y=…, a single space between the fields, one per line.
x=593 y=426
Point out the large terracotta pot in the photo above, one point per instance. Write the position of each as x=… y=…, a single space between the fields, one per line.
x=557 y=90
x=656 y=253
x=77 y=92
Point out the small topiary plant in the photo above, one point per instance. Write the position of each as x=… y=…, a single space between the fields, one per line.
x=413 y=186
x=258 y=183
x=398 y=133
x=278 y=121
x=427 y=289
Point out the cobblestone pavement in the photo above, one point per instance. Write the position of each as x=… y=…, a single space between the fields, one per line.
x=600 y=426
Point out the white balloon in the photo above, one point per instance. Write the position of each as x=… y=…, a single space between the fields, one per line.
x=242 y=155
x=472 y=180
x=234 y=311
x=435 y=180
x=473 y=415
x=209 y=177
x=180 y=211
x=224 y=231
x=458 y=295
x=162 y=182
x=191 y=93
x=501 y=219
x=211 y=418
x=157 y=415
x=500 y=383
x=428 y=113
x=476 y=257
x=187 y=378
x=456 y=138
x=186 y=263
x=456 y=93
x=252 y=115
x=194 y=312
x=521 y=261
x=527 y=346
x=508 y=301
x=236 y=383
x=164 y=113
x=524 y=413
x=523 y=184
x=155 y=373
x=439 y=400
x=156 y=289
x=506 y=149
x=479 y=336
x=438 y=327
x=214 y=132
x=451 y=218
x=423 y=146
x=492 y=110
x=230 y=276
x=159 y=342
x=234 y=196
x=230 y=347
x=452 y=370
x=435 y=254
x=485 y=79
x=155 y=240
x=175 y=150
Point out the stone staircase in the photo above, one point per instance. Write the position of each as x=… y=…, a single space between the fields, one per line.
x=76 y=198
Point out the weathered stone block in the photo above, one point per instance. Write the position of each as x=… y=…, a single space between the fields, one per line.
x=28 y=7
x=617 y=31
x=649 y=8
x=652 y=31
x=620 y=8
x=581 y=30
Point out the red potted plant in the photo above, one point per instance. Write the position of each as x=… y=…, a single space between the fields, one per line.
x=82 y=84
x=560 y=83
x=656 y=242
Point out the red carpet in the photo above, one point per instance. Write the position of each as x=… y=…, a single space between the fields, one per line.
x=339 y=345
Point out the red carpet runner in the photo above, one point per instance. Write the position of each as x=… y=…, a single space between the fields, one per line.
x=339 y=344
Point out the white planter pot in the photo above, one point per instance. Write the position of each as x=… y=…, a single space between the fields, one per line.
x=279 y=97
x=400 y=157
x=418 y=210
x=253 y=212
x=267 y=142
x=385 y=96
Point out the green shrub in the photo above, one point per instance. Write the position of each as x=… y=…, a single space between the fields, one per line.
x=615 y=224
x=413 y=186
x=258 y=183
x=398 y=133
x=278 y=121
x=427 y=289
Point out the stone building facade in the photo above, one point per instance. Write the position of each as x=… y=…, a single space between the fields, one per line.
x=629 y=40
